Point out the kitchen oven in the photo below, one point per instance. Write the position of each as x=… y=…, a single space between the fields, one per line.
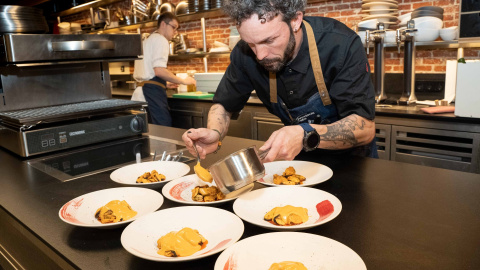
x=55 y=92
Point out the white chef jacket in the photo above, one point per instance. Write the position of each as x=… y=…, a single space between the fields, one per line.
x=155 y=54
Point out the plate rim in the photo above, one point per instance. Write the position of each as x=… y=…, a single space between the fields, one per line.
x=148 y=184
x=299 y=227
x=171 y=183
x=110 y=225
x=308 y=185
x=220 y=262
x=188 y=258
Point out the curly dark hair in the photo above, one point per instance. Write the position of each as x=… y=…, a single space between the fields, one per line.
x=241 y=10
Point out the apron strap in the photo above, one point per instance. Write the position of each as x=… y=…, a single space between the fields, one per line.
x=273 y=87
x=156 y=83
x=316 y=66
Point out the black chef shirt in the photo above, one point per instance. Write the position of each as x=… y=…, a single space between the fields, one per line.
x=344 y=64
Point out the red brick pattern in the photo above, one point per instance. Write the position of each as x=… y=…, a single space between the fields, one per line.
x=346 y=11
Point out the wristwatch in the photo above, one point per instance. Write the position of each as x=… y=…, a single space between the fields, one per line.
x=311 y=139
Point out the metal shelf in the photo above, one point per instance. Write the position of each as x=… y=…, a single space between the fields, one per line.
x=85 y=7
x=439 y=45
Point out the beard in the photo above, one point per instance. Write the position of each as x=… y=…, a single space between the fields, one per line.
x=276 y=64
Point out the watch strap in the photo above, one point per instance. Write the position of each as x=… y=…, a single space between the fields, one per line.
x=307 y=127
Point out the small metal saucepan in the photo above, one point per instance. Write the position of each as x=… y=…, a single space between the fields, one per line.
x=238 y=170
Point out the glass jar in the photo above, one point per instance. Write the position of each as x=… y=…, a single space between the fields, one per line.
x=191 y=87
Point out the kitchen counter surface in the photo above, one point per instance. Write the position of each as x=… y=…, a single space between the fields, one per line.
x=394 y=215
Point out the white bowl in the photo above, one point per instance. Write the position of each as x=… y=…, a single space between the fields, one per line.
x=369 y=24
x=428 y=22
x=314 y=251
x=450 y=33
x=128 y=175
x=426 y=34
x=322 y=206
x=220 y=227
x=81 y=210
x=315 y=173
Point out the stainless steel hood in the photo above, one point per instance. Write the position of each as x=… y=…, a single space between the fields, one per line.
x=40 y=49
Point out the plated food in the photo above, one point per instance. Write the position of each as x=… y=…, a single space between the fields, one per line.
x=254 y=207
x=287 y=265
x=107 y=205
x=207 y=193
x=150 y=177
x=115 y=211
x=182 y=243
x=287 y=215
x=218 y=228
x=313 y=251
x=182 y=190
x=169 y=170
x=309 y=173
x=289 y=177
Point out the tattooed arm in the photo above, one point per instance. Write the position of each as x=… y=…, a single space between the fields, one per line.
x=206 y=139
x=348 y=132
x=219 y=119
x=287 y=142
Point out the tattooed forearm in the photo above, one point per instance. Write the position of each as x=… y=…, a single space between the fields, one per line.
x=342 y=131
x=219 y=118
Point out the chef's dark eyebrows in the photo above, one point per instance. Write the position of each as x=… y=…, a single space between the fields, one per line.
x=268 y=39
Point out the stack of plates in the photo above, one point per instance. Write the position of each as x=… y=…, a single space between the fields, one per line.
x=22 y=19
x=385 y=11
x=198 y=5
x=215 y=4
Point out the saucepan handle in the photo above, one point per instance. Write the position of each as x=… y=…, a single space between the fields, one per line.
x=263 y=154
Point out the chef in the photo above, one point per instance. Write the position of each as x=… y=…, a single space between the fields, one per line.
x=311 y=72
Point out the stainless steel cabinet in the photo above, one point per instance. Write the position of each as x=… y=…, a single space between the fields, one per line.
x=383 y=137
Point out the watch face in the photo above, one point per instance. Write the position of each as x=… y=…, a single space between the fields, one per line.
x=313 y=140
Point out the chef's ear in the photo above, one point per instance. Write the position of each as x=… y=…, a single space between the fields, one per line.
x=296 y=22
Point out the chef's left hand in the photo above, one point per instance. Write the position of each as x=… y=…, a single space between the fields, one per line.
x=172 y=85
x=285 y=143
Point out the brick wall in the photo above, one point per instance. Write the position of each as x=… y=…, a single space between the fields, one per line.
x=346 y=11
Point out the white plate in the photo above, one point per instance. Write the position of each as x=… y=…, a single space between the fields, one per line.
x=379 y=5
x=381 y=11
x=128 y=175
x=220 y=227
x=388 y=1
x=315 y=173
x=380 y=18
x=314 y=251
x=253 y=206
x=81 y=210
x=180 y=190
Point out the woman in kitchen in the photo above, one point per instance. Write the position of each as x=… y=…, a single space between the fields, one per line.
x=153 y=72
x=311 y=72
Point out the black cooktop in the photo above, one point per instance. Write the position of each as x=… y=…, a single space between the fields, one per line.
x=106 y=156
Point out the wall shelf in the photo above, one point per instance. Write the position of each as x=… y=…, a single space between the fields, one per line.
x=85 y=7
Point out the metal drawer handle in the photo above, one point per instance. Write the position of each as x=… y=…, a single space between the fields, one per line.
x=67 y=46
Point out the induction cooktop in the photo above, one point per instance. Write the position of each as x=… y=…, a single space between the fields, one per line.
x=107 y=156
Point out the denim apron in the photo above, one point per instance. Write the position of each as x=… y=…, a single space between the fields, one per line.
x=318 y=109
x=155 y=94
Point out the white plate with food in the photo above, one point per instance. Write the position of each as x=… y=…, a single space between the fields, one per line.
x=314 y=173
x=191 y=190
x=125 y=203
x=143 y=173
x=187 y=232
x=313 y=251
x=287 y=208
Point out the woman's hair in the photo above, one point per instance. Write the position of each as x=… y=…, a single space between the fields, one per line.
x=166 y=17
x=241 y=10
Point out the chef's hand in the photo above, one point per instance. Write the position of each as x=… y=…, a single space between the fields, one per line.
x=189 y=80
x=285 y=144
x=205 y=139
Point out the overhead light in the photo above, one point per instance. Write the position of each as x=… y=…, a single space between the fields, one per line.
x=86 y=4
